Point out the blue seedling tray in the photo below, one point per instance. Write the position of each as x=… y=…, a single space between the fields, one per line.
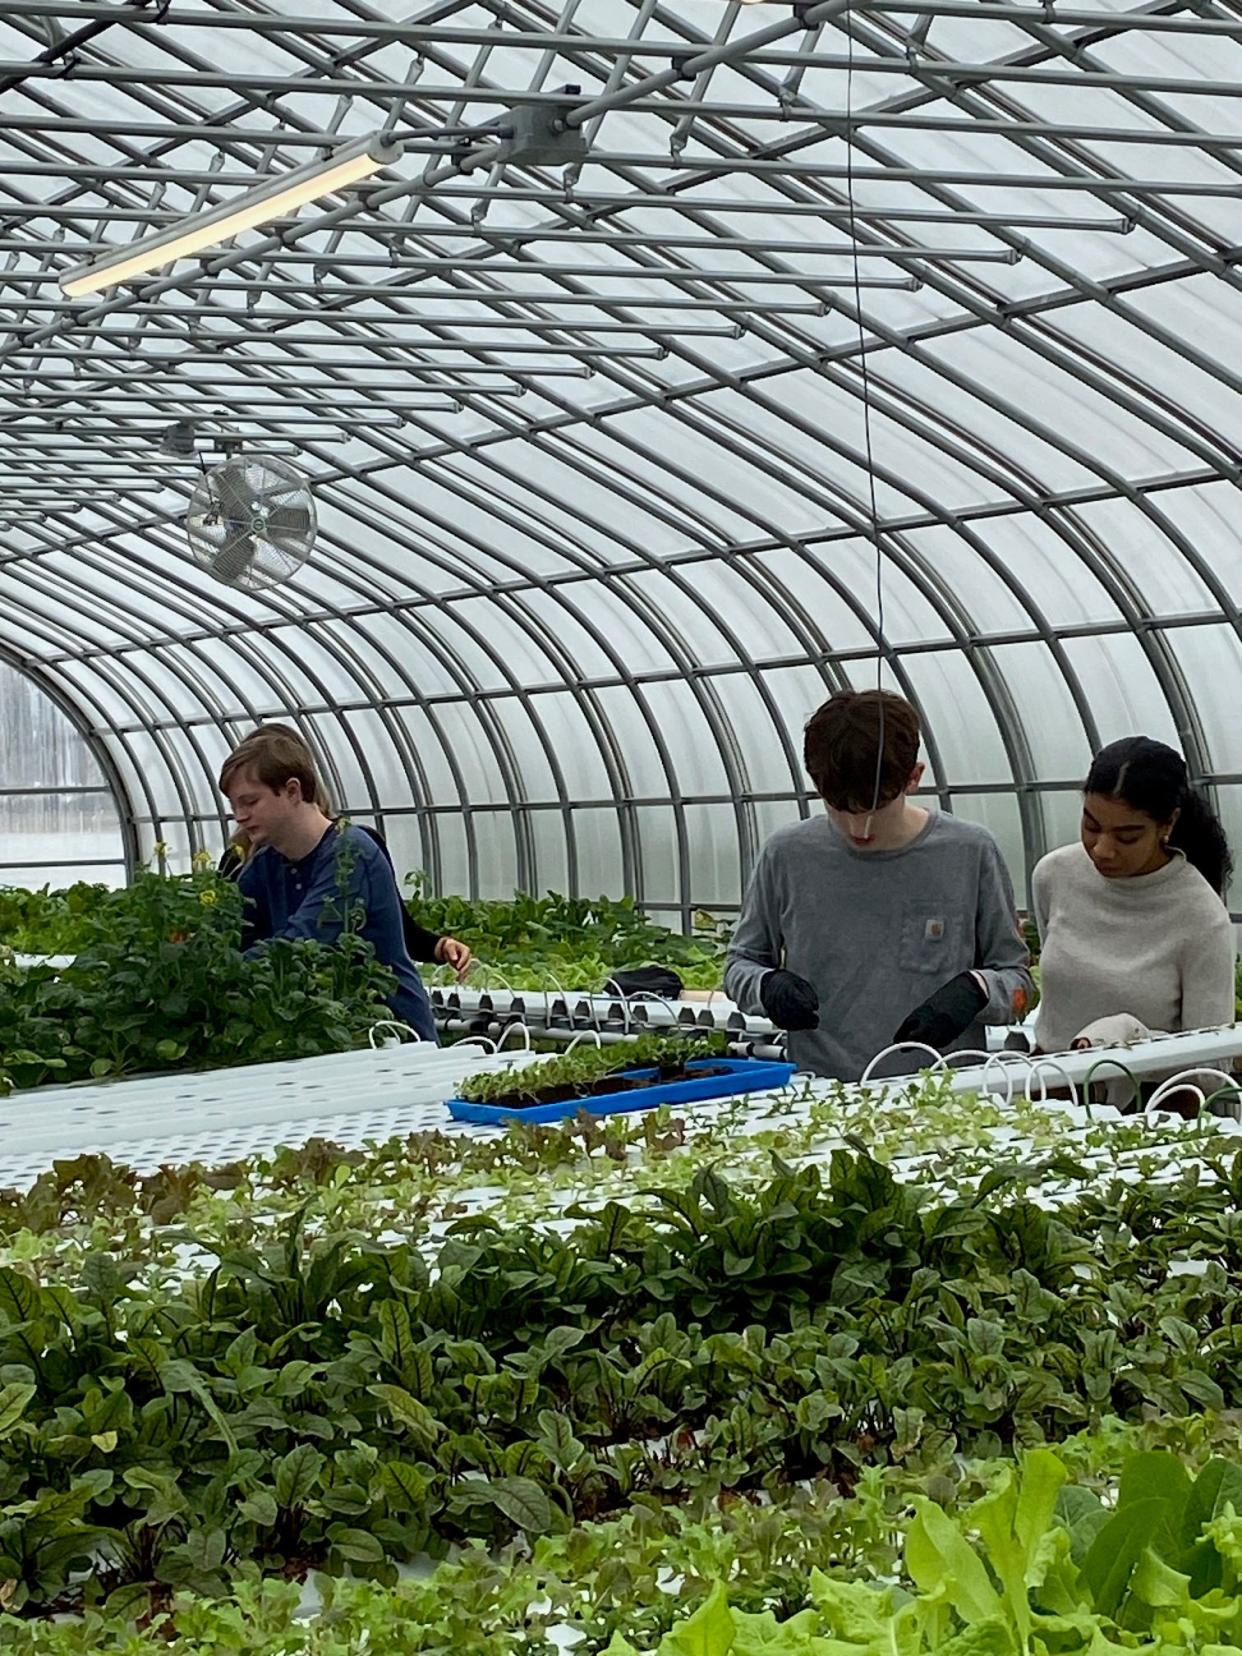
x=744 y=1075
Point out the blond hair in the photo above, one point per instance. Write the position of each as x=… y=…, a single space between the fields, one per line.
x=276 y=754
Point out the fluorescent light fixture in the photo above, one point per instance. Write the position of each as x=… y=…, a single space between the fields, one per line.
x=271 y=199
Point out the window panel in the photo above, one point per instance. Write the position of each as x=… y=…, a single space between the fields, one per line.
x=48 y=837
x=1122 y=689
x=549 y=831
x=451 y=841
x=692 y=742
x=427 y=740
x=1107 y=435
x=494 y=833
x=646 y=770
x=998 y=813
x=797 y=692
x=1063 y=815
x=1051 y=723
x=657 y=836
x=750 y=724
x=1211 y=658
x=1149 y=558
x=959 y=718
x=711 y=831
x=574 y=741
x=598 y=836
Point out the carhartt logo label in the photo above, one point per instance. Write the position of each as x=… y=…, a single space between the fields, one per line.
x=934 y=930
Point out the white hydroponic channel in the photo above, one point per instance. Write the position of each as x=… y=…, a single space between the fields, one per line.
x=370 y=1096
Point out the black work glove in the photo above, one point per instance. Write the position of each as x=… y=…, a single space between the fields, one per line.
x=790 y=1001
x=944 y=1015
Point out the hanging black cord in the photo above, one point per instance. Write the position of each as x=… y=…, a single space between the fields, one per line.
x=866 y=408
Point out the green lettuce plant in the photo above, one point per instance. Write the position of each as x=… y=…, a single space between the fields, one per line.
x=665 y=1055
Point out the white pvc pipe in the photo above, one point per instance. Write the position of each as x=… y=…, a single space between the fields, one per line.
x=1006 y=1062
x=1195 y=1049
x=1038 y=1066
x=1188 y=1080
x=509 y=1031
x=901 y=1046
x=402 y=1029
x=583 y=1035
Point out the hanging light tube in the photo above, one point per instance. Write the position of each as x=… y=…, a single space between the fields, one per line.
x=285 y=193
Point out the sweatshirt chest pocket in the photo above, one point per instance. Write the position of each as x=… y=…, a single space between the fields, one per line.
x=930 y=941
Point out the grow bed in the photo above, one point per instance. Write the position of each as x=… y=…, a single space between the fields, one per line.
x=639 y=1089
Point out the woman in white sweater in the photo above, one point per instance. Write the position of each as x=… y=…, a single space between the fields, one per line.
x=1131 y=919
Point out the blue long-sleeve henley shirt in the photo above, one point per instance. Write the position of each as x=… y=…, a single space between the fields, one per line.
x=305 y=899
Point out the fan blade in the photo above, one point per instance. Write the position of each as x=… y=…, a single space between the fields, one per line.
x=294 y=552
x=234 y=558
x=284 y=486
x=235 y=498
x=289 y=520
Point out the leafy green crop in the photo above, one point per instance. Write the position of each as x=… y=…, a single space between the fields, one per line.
x=999 y=1561
x=1016 y=1573
x=666 y=1055
x=158 y=983
x=50 y=922
x=557 y=942
x=319 y=1398
x=551 y=942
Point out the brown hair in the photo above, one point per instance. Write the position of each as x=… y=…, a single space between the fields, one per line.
x=841 y=749
x=276 y=754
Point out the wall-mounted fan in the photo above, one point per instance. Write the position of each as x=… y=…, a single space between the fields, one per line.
x=252 y=521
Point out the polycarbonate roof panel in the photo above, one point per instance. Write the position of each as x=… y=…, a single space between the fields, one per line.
x=796 y=371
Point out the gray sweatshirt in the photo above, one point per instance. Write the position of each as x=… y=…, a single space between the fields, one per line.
x=877 y=933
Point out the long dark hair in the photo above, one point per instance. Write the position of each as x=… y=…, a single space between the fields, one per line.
x=1153 y=779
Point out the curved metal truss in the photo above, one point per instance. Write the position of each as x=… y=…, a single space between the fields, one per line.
x=578 y=380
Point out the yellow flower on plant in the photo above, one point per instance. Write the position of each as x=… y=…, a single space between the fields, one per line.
x=160 y=848
x=208 y=897
x=202 y=861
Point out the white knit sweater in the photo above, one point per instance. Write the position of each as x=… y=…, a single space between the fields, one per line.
x=1158 y=946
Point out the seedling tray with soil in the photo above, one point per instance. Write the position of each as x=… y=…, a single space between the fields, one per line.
x=636 y=1089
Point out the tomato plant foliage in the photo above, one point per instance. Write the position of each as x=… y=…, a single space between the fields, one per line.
x=158 y=982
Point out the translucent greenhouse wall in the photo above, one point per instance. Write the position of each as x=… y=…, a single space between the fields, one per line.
x=59 y=821
x=641 y=771
x=853 y=303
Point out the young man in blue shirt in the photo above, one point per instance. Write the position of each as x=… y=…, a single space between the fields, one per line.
x=307 y=871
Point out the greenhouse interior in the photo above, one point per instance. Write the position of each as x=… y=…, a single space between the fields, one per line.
x=620 y=661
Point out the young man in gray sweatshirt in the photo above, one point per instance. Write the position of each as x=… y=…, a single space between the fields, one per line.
x=879 y=921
